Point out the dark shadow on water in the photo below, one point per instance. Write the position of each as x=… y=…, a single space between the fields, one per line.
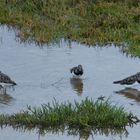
x=5 y=98
x=77 y=85
x=83 y=134
x=130 y=93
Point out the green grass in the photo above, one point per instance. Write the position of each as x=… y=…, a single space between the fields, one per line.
x=87 y=114
x=86 y=21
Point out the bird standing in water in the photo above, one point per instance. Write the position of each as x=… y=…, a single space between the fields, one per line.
x=78 y=71
x=6 y=79
x=129 y=80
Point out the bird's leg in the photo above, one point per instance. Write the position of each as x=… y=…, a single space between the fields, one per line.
x=4 y=90
x=1 y=87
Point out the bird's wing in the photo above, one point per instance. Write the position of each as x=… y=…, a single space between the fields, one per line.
x=72 y=69
x=128 y=81
x=5 y=78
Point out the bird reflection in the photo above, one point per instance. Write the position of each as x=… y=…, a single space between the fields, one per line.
x=5 y=98
x=77 y=85
x=130 y=93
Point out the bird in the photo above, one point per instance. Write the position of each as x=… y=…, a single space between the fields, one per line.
x=6 y=79
x=129 y=80
x=78 y=70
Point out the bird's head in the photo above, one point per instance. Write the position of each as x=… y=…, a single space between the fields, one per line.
x=14 y=83
x=80 y=67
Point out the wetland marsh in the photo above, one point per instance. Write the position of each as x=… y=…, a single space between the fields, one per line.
x=40 y=40
x=43 y=73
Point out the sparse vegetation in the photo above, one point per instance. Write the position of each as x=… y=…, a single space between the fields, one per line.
x=86 y=21
x=87 y=114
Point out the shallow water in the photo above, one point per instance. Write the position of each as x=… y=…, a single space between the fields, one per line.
x=43 y=73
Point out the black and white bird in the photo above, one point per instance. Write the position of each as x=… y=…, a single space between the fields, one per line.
x=6 y=79
x=129 y=80
x=78 y=71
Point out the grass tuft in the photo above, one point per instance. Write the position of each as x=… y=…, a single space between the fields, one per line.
x=87 y=114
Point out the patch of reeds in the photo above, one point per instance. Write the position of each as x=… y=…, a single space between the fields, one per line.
x=86 y=21
x=86 y=114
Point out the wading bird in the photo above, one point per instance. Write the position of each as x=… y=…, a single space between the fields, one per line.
x=78 y=71
x=6 y=79
x=129 y=80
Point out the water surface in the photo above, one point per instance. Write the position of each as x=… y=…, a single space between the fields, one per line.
x=43 y=73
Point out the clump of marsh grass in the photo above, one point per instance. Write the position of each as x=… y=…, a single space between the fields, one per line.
x=86 y=114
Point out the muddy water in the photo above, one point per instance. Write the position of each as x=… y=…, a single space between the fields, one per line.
x=43 y=73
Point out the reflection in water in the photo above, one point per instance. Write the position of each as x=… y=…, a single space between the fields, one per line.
x=131 y=93
x=77 y=85
x=83 y=134
x=5 y=98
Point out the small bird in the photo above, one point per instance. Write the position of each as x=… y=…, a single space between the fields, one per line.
x=129 y=80
x=6 y=79
x=78 y=71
